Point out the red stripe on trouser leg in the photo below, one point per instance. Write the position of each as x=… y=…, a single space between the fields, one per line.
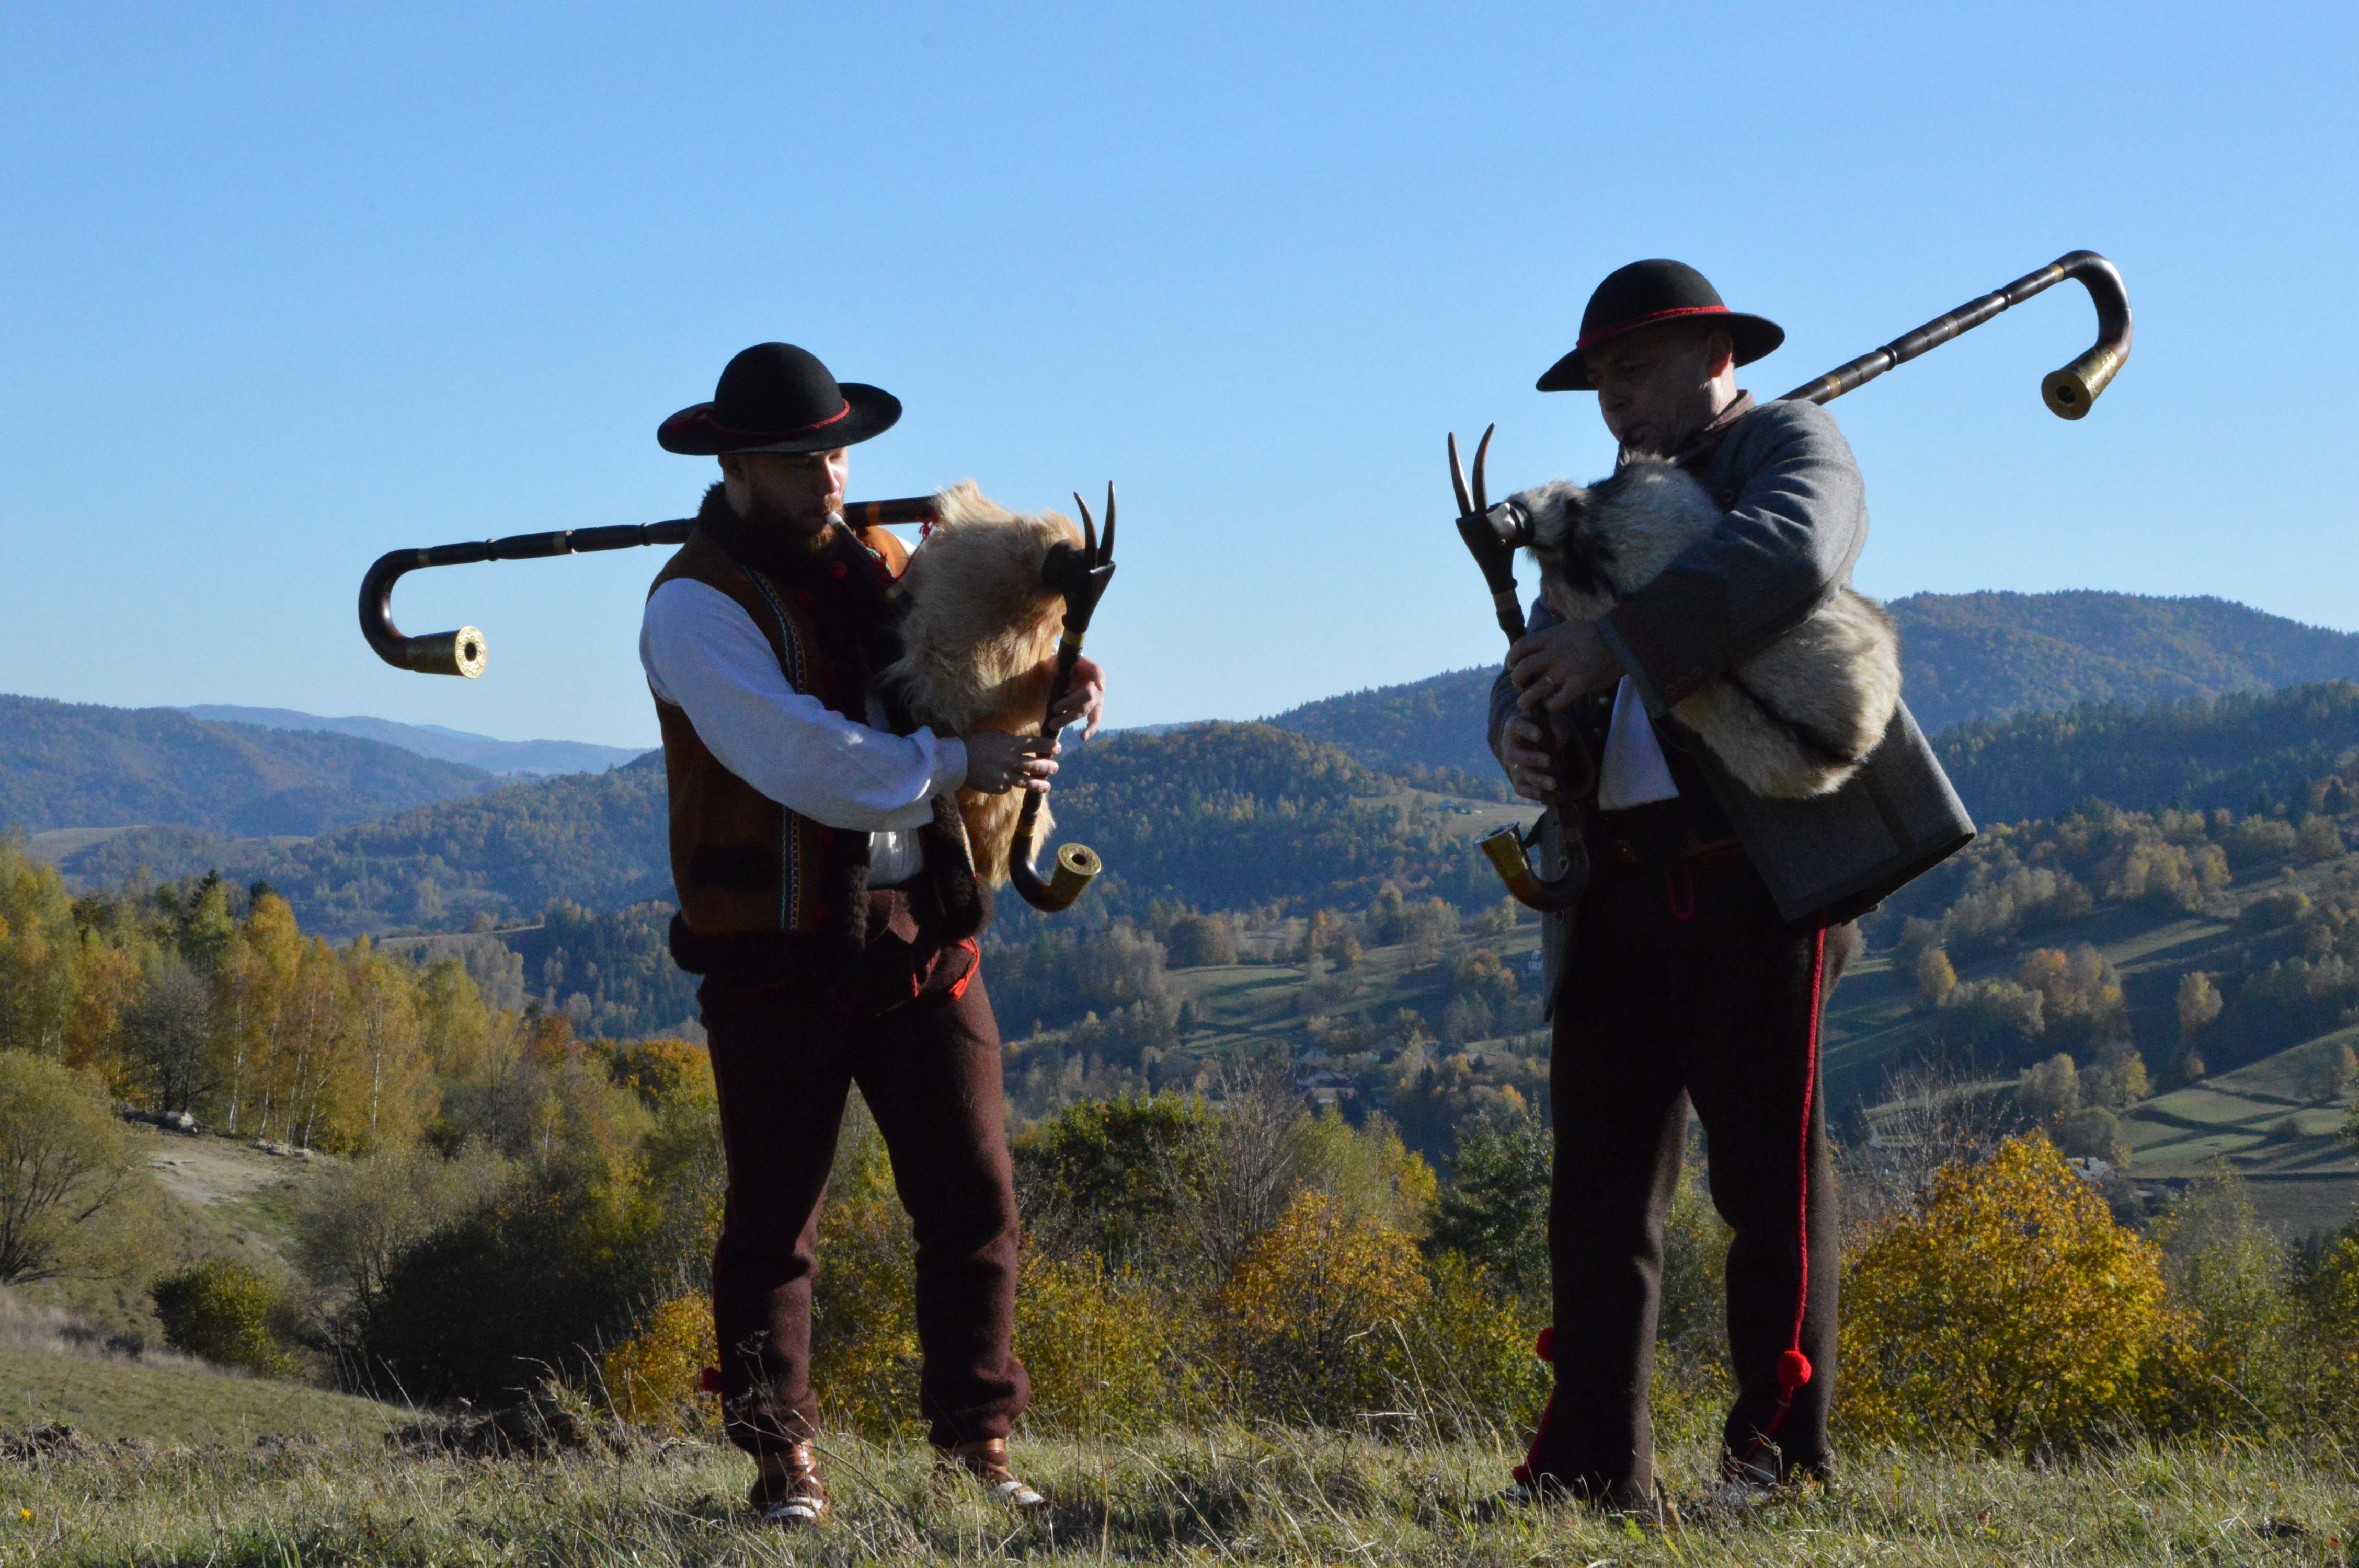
x=1794 y=1368
x=1545 y=1348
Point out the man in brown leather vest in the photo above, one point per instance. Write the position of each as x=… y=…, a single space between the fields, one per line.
x=828 y=898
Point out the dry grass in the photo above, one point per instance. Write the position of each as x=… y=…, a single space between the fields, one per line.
x=1230 y=1497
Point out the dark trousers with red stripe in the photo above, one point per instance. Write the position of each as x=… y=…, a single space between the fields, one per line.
x=1685 y=986
x=930 y=1071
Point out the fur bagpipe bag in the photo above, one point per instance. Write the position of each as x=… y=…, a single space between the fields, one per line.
x=1795 y=719
x=978 y=634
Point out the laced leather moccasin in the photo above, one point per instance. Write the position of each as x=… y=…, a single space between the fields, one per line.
x=986 y=1460
x=787 y=1492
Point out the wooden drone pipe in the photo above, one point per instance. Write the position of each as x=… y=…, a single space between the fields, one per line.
x=462 y=652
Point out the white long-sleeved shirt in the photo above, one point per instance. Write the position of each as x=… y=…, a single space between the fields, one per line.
x=1632 y=771
x=703 y=655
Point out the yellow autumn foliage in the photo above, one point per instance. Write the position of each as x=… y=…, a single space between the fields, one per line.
x=1108 y=1355
x=2008 y=1310
x=1319 y=1311
x=656 y=1377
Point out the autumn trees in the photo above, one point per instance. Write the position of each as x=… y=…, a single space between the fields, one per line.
x=210 y=999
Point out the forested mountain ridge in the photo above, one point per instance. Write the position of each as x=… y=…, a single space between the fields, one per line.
x=506 y=853
x=1987 y=655
x=1964 y=656
x=69 y=764
x=2200 y=753
x=436 y=741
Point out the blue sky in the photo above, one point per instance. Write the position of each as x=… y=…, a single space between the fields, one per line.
x=283 y=286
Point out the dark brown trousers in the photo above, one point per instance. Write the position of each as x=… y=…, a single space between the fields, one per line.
x=1684 y=985
x=929 y=1073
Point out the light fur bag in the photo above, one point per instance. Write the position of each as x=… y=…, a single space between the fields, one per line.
x=978 y=634
x=1797 y=719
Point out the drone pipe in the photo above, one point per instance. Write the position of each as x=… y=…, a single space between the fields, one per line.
x=462 y=652
x=2069 y=391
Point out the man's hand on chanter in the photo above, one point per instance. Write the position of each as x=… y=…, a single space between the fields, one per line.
x=1528 y=767
x=1084 y=702
x=1564 y=662
x=996 y=763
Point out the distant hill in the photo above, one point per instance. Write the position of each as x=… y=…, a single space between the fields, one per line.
x=1964 y=656
x=1984 y=655
x=598 y=838
x=1433 y=728
x=81 y=765
x=1215 y=816
x=434 y=741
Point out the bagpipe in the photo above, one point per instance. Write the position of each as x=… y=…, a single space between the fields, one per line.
x=1845 y=652
x=995 y=607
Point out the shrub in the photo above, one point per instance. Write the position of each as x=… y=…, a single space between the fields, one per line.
x=2275 y=911
x=1106 y=1356
x=656 y=1377
x=562 y=1262
x=2232 y=1359
x=1107 y=1177
x=2008 y=1311
x=1318 y=1311
x=65 y=1172
x=1496 y=1208
x=864 y=1358
x=226 y=1313
x=2093 y=1132
x=1198 y=940
x=1470 y=1369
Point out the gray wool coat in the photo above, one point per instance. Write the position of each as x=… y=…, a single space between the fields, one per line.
x=1796 y=521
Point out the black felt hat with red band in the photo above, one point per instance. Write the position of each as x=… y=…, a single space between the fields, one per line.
x=1645 y=293
x=775 y=398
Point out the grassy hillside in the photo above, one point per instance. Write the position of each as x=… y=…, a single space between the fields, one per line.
x=168 y=1401
x=80 y=765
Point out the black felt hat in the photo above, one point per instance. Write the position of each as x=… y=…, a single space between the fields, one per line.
x=775 y=398
x=1647 y=292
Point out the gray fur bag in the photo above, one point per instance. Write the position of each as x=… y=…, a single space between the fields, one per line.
x=1795 y=719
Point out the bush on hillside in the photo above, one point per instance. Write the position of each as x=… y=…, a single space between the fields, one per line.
x=2234 y=1360
x=2008 y=1312
x=656 y=1377
x=228 y=1315
x=1108 y=1355
x=1319 y=1311
x=1496 y=1208
x=66 y=1172
x=1109 y=1178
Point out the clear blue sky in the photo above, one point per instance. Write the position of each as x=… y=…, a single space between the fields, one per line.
x=283 y=286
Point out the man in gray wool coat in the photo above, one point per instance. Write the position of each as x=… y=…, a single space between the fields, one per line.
x=1696 y=968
